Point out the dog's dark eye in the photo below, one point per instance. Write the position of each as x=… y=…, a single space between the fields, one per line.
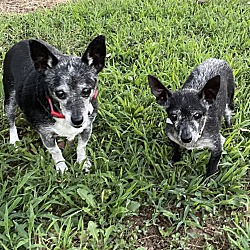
x=197 y=116
x=60 y=94
x=86 y=92
x=173 y=117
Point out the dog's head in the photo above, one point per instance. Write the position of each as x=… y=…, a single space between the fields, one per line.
x=71 y=80
x=187 y=109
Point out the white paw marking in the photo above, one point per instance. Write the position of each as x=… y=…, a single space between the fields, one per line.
x=13 y=135
x=87 y=165
x=61 y=166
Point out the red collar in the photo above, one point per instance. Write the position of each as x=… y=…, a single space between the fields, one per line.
x=60 y=115
x=95 y=94
x=52 y=111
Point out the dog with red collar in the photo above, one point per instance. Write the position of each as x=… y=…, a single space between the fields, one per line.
x=56 y=92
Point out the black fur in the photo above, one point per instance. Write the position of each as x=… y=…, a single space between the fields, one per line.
x=35 y=71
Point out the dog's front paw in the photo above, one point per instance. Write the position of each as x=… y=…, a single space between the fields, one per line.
x=61 y=166
x=86 y=165
x=13 y=141
x=13 y=135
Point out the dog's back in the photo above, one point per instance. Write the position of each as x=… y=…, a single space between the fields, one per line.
x=20 y=81
x=209 y=69
x=17 y=60
x=19 y=73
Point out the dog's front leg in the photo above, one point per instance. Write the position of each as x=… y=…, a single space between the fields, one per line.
x=212 y=165
x=83 y=139
x=50 y=143
x=176 y=152
x=216 y=152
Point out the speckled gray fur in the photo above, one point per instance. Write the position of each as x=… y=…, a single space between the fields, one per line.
x=195 y=111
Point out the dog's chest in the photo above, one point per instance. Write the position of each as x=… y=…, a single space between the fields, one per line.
x=64 y=129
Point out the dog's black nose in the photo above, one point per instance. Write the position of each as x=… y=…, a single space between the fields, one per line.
x=77 y=120
x=186 y=136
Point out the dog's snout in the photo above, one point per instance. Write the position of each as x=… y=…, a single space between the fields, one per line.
x=77 y=120
x=186 y=135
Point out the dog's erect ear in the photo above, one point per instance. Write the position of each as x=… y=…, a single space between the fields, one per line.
x=161 y=93
x=95 y=53
x=41 y=56
x=211 y=89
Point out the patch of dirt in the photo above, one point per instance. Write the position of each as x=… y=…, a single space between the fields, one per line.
x=148 y=234
x=23 y=6
x=150 y=237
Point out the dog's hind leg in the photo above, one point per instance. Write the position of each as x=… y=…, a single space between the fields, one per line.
x=230 y=101
x=83 y=139
x=10 y=106
x=228 y=114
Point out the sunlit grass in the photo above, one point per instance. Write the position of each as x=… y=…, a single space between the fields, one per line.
x=132 y=179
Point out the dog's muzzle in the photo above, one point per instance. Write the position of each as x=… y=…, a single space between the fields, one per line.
x=186 y=135
x=77 y=120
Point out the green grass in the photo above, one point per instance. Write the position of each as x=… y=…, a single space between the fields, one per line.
x=133 y=198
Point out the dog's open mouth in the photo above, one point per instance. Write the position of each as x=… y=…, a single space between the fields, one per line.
x=77 y=126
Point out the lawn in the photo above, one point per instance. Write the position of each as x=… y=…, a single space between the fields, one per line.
x=133 y=197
